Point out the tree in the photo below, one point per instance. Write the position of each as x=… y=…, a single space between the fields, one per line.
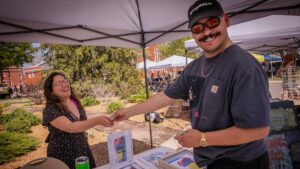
x=15 y=54
x=175 y=48
x=92 y=63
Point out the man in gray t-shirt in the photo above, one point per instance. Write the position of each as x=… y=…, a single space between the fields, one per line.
x=228 y=94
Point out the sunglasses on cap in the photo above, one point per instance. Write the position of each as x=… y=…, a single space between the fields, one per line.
x=212 y=22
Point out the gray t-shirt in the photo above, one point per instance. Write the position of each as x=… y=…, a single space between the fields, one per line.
x=235 y=93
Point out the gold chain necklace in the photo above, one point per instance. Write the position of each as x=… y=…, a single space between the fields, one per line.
x=213 y=67
x=211 y=70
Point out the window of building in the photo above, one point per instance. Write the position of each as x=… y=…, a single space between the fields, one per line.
x=31 y=75
x=157 y=55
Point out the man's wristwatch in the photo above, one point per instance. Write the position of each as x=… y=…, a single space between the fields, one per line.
x=203 y=141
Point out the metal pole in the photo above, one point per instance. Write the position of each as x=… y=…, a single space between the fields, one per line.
x=186 y=59
x=147 y=93
x=143 y=45
x=271 y=69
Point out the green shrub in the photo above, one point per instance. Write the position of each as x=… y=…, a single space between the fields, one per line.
x=89 y=101
x=6 y=104
x=113 y=106
x=131 y=99
x=19 y=125
x=137 y=98
x=19 y=113
x=15 y=144
x=1 y=109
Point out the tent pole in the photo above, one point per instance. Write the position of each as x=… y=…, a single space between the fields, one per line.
x=186 y=59
x=271 y=69
x=147 y=93
x=143 y=45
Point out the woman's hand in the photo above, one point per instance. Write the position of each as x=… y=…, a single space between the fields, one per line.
x=122 y=114
x=105 y=121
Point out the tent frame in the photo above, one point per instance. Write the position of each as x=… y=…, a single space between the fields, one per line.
x=142 y=33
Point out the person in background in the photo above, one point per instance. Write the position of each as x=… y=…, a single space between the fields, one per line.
x=67 y=122
x=15 y=91
x=228 y=94
x=11 y=92
x=287 y=72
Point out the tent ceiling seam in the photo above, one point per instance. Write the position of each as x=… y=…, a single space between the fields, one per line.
x=166 y=32
x=37 y=30
x=108 y=35
x=246 y=9
x=273 y=46
x=265 y=10
x=143 y=44
x=45 y=31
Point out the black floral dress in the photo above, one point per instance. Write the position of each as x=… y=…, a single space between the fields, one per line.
x=63 y=145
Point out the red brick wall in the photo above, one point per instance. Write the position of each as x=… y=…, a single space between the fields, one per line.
x=33 y=75
x=150 y=52
x=13 y=76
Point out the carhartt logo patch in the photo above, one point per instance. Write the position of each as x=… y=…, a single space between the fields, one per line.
x=214 y=89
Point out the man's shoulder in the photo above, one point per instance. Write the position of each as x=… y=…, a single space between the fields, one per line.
x=242 y=57
x=195 y=63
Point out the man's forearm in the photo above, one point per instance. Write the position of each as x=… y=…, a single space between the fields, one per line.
x=235 y=136
x=153 y=103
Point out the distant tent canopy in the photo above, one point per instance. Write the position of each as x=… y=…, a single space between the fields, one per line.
x=266 y=58
x=173 y=61
x=149 y=63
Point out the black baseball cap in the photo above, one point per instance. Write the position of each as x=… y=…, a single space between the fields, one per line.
x=203 y=9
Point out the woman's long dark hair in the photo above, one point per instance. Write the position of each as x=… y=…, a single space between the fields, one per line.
x=51 y=99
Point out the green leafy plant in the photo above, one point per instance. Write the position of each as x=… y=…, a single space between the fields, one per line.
x=19 y=113
x=15 y=144
x=89 y=101
x=140 y=97
x=19 y=125
x=6 y=104
x=113 y=106
x=1 y=109
x=19 y=121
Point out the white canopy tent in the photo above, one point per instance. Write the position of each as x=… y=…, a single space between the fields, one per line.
x=119 y=23
x=126 y=23
x=264 y=34
x=172 y=61
x=141 y=64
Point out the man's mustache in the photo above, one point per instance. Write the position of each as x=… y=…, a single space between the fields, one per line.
x=211 y=35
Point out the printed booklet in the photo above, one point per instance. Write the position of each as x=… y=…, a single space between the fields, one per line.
x=180 y=160
x=120 y=151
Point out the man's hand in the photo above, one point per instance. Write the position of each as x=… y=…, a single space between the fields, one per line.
x=122 y=114
x=190 y=138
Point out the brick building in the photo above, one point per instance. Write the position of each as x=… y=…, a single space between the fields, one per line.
x=13 y=76
x=16 y=76
x=34 y=74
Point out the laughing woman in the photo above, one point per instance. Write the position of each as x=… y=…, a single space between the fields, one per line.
x=67 y=121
